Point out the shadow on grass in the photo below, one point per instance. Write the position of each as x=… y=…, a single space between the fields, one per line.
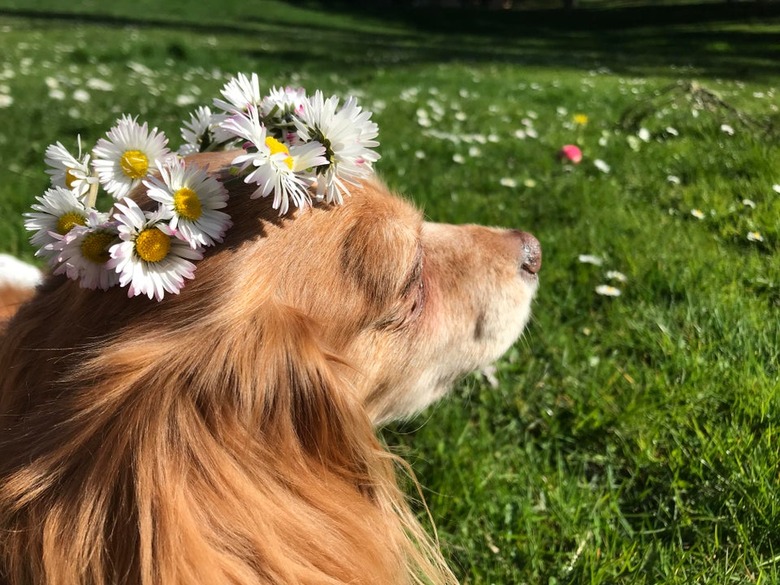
x=630 y=41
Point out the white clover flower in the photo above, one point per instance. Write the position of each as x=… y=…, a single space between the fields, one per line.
x=749 y=203
x=6 y=101
x=726 y=129
x=191 y=198
x=68 y=171
x=776 y=188
x=607 y=290
x=348 y=136
x=590 y=259
x=240 y=93
x=149 y=258
x=601 y=165
x=458 y=158
x=127 y=156
x=198 y=133
x=57 y=212
x=644 y=134
x=83 y=254
x=755 y=237
x=697 y=213
x=508 y=182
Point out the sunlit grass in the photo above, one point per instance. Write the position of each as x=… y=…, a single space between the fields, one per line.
x=631 y=439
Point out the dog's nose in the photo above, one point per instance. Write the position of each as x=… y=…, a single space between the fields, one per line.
x=530 y=252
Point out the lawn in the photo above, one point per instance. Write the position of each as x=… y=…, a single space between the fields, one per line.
x=625 y=439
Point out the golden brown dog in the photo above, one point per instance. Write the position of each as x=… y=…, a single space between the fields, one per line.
x=225 y=435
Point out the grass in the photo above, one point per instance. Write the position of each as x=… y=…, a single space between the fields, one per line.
x=631 y=439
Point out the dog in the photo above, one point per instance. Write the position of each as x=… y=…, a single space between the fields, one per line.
x=226 y=434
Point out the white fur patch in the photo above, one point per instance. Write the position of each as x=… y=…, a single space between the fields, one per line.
x=14 y=272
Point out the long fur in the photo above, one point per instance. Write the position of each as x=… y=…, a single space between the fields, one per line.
x=224 y=435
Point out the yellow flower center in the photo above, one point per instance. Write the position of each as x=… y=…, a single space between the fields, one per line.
x=94 y=246
x=152 y=245
x=70 y=178
x=187 y=204
x=69 y=220
x=277 y=147
x=134 y=164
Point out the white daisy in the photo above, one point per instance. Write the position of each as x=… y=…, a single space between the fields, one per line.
x=616 y=275
x=58 y=211
x=240 y=93
x=697 y=213
x=590 y=259
x=347 y=134
x=276 y=167
x=607 y=290
x=149 y=258
x=68 y=171
x=127 y=156
x=755 y=237
x=198 y=133
x=83 y=253
x=191 y=199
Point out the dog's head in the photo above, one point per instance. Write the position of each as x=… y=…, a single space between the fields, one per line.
x=235 y=419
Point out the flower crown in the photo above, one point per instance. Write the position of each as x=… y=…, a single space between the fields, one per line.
x=293 y=145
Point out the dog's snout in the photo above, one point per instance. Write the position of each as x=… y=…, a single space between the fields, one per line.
x=530 y=259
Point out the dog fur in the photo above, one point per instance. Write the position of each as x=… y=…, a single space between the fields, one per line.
x=226 y=434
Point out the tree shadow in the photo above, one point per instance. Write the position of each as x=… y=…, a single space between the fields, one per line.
x=714 y=39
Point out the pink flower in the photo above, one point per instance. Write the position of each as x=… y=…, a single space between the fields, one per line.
x=570 y=153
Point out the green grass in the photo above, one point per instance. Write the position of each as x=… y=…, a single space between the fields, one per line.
x=630 y=440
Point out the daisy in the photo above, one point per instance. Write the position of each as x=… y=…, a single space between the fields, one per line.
x=590 y=259
x=83 y=253
x=191 y=199
x=68 y=171
x=697 y=213
x=280 y=104
x=277 y=167
x=127 y=156
x=601 y=165
x=198 y=133
x=607 y=290
x=240 y=93
x=347 y=134
x=149 y=258
x=615 y=275
x=58 y=211
x=755 y=237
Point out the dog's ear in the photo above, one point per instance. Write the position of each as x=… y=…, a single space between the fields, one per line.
x=378 y=253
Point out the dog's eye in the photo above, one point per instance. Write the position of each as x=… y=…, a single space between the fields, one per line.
x=419 y=298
